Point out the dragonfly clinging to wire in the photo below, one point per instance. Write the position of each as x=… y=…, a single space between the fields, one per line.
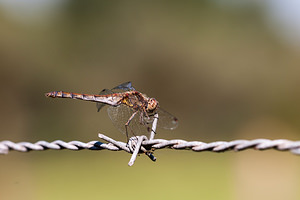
x=129 y=110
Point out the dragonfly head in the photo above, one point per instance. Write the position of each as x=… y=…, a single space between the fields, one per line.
x=152 y=105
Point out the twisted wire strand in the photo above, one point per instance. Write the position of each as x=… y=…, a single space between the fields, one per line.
x=155 y=144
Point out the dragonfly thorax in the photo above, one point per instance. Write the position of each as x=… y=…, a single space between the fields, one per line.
x=151 y=105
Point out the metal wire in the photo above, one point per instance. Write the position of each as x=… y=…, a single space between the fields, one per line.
x=141 y=144
x=155 y=144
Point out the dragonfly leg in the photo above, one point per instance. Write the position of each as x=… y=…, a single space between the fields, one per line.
x=145 y=122
x=128 y=122
x=144 y=109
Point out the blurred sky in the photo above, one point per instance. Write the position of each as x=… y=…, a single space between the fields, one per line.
x=282 y=16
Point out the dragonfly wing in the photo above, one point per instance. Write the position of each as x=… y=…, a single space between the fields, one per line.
x=124 y=86
x=120 y=115
x=166 y=120
x=120 y=88
x=103 y=92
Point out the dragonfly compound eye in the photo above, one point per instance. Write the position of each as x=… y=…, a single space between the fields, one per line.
x=152 y=105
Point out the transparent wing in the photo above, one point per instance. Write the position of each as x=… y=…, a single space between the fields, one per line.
x=124 y=86
x=120 y=88
x=119 y=116
x=166 y=120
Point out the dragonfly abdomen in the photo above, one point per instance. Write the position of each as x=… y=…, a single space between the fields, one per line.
x=113 y=100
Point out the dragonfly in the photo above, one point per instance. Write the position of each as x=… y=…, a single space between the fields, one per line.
x=129 y=110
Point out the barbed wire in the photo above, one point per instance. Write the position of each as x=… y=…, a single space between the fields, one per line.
x=141 y=144
x=148 y=146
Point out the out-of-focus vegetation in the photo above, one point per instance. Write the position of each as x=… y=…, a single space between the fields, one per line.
x=221 y=71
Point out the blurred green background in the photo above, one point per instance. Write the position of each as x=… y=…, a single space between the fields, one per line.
x=226 y=69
